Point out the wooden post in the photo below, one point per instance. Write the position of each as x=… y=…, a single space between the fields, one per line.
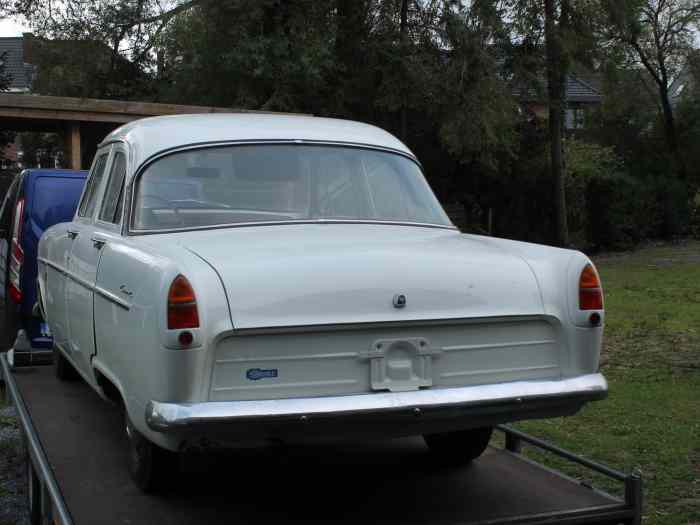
x=73 y=154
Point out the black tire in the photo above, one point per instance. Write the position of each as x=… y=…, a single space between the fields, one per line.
x=63 y=368
x=460 y=447
x=151 y=467
x=33 y=494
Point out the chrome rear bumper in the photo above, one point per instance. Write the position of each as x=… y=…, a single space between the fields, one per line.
x=511 y=401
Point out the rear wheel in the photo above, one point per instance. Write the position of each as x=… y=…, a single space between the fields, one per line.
x=461 y=447
x=63 y=368
x=150 y=466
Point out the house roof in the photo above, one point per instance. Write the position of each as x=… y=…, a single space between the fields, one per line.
x=20 y=73
x=577 y=90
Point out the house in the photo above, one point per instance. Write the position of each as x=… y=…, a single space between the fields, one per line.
x=12 y=56
x=21 y=76
x=583 y=96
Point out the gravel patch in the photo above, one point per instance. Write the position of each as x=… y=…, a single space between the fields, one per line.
x=13 y=483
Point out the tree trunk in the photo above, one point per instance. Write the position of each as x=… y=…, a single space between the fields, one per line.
x=671 y=133
x=349 y=53
x=403 y=29
x=556 y=80
x=349 y=31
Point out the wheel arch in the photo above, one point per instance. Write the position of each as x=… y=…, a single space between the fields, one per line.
x=110 y=388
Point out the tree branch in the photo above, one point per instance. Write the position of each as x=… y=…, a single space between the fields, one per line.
x=166 y=16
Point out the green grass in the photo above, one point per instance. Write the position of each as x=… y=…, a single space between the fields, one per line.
x=651 y=357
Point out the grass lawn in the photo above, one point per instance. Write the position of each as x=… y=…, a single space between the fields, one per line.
x=651 y=358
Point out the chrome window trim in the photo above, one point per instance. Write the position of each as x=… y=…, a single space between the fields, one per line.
x=91 y=173
x=117 y=148
x=291 y=222
x=204 y=145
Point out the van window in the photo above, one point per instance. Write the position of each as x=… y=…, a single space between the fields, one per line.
x=87 y=205
x=111 y=211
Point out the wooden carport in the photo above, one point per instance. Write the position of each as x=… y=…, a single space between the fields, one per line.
x=83 y=122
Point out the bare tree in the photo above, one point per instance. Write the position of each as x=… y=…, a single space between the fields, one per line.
x=658 y=34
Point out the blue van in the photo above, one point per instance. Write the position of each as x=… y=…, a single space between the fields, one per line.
x=36 y=200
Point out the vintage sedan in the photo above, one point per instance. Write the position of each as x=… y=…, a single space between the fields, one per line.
x=238 y=278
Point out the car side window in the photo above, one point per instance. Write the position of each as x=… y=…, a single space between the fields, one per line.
x=111 y=208
x=87 y=205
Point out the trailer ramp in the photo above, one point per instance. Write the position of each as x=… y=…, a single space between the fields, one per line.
x=78 y=450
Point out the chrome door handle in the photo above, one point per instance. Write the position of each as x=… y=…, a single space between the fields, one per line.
x=72 y=233
x=98 y=243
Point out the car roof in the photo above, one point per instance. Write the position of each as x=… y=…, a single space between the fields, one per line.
x=150 y=136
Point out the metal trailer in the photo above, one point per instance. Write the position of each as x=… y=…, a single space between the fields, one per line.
x=77 y=474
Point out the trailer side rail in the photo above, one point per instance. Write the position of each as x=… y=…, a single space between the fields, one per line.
x=41 y=483
x=629 y=512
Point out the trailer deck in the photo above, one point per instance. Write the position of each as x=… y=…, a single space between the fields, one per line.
x=84 y=480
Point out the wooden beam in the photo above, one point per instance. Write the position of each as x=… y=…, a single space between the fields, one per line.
x=105 y=107
x=30 y=114
x=73 y=152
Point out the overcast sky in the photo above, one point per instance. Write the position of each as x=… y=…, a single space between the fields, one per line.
x=11 y=27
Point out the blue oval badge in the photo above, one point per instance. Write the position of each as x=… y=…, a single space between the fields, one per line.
x=260 y=373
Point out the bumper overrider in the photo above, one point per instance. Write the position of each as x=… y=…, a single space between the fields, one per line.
x=456 y=407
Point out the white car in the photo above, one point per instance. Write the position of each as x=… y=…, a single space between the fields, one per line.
x=237 y=278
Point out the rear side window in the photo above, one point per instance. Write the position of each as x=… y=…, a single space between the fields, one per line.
x=111 y=209
x=87 y=205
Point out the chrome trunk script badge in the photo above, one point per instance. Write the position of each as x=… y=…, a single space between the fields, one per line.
x=255 y=374
x=399 y=300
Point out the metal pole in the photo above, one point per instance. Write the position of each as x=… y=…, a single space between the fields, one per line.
x=634 y=495
x=46 y=506
x=513 y=443
x=49 y=485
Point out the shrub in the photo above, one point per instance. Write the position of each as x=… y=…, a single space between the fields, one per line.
x=594 y=180
x=609 y=208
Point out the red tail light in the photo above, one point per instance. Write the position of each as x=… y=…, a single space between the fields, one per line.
x=182 y=305
x=16 y=254
x=590 y=293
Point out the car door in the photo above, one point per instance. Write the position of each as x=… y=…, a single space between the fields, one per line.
x=58 y=280
x=82 y=266
x=112 y=291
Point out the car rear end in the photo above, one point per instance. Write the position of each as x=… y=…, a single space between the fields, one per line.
x=330 y=350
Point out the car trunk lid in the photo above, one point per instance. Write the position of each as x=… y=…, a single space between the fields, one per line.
x=325 y=274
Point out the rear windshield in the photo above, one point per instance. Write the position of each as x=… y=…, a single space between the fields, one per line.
x=277 y=183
